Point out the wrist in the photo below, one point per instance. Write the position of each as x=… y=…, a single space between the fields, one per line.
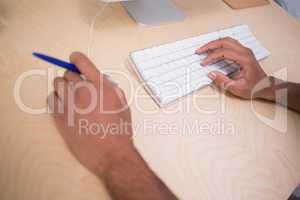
x=115 y=157
x=267 y=91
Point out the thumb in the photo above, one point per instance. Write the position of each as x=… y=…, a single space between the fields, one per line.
x=221 y=80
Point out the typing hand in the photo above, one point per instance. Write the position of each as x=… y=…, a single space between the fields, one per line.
x=241 y=83
x=92 y=115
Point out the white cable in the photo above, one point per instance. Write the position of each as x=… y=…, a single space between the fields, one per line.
x=91 y=30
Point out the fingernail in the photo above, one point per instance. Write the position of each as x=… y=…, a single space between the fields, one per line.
x=212 y=75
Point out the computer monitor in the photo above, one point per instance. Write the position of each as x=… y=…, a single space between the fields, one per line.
x=151 y=12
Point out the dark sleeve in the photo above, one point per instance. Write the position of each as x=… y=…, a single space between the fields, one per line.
x=296 y=194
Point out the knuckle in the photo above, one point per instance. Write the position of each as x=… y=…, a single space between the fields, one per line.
x=80 y=60
x=250 y=54
x=122 y=94
x=249 y=51
x=57 y=79
x=75 y=55
x=232 y=40
x=121 y=91
x=58 y=82
x=236 y=41
x=227 y=54
x=248 y=60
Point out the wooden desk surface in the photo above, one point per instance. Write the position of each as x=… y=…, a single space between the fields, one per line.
x=255 y=161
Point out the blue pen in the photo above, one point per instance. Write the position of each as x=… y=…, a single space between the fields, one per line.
x=57 y=62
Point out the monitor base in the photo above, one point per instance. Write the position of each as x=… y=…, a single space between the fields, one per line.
x=153 y=12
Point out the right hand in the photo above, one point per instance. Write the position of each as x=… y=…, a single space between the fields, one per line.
x=103 y=143
x=242 y=83
x=98 y=137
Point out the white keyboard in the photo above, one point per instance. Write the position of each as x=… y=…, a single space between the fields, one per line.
x=173 y=70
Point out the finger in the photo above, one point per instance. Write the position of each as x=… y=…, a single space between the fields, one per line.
x=61 y=89
x=53 y=103
x=72 y=77
x=225 y=54
x=221 y=80
x=228 y=43
x=85 y=66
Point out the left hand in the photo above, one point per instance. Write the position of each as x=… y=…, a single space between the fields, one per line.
x=242 y=83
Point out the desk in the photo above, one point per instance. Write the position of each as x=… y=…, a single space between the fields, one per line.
x=254 y=162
